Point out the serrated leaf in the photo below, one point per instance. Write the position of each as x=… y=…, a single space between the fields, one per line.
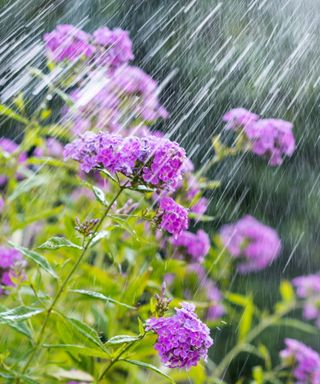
x=6 y=111
x=37 y=258
x=18 y=314
x=122 y=339
x=56 y=242
x=101 y=296
x=151 y=367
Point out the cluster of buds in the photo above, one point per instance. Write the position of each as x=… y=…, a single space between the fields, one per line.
x=162 y=304
x=87 y=227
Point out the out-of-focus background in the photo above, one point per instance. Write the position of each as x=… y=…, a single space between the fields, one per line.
x=212 y=56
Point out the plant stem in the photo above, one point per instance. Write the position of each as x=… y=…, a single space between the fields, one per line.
x=65 y=283
x=222 y=366
x=114 y=360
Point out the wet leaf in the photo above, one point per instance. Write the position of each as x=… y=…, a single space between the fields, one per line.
x=287 y=291
x=6 y=111
x=122 y=339
x=36 y=258
x=56 y=242
x=151 y=367
x=19 y=314
x=101 y=296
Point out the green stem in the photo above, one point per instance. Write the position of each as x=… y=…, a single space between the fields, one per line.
x=256 y=331
x=65 y=283
x=115 y=359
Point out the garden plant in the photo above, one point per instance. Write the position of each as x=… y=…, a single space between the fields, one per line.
x=107 y=273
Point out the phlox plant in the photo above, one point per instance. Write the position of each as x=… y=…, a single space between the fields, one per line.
x=107 y=274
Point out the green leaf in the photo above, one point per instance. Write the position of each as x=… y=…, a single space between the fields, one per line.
x=42 y=214
x=78 y=330
x=19 y=102
x=141 y=325
x=264 y=352
x=257 y=374
x=100 y=195
x=235 y=298
x=301 y=326
x=6 y=111
x=56 y=242
x=101 y=296
x=18 y=314
x=26 y=185
x=21 y=328
x=121 y=339
x=287 y=291
x=99 y=236
x=79 y=349
x=203 y=218
x=18 y=326
x=212 y=184
x=124 y=225
x=246 y=320
x=37 y=258
x=151 y=367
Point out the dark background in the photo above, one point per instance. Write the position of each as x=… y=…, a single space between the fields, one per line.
x=262 y=55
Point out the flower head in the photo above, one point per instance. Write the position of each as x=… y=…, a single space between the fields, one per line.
x=304 y=361
x=308 y=288
x=149 y=160
x=272 y=138
x=253 y=243
x=114 y=46
x=173 y=216
x=196 y=245
x=239 y=118
x=182 y=338
x=67 y=42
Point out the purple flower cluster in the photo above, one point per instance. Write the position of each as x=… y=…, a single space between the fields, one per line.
x=239 y=118
x=9 y=258
x=308 y=288
x=271 y=138
x=67 y=42
x=104 y=47
x=253 y=243
x=116 y=101
x=173 y=216
x=304 y=361
x=196 y=245
x=114 y=48
x=182 y=338
x=150 y=160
